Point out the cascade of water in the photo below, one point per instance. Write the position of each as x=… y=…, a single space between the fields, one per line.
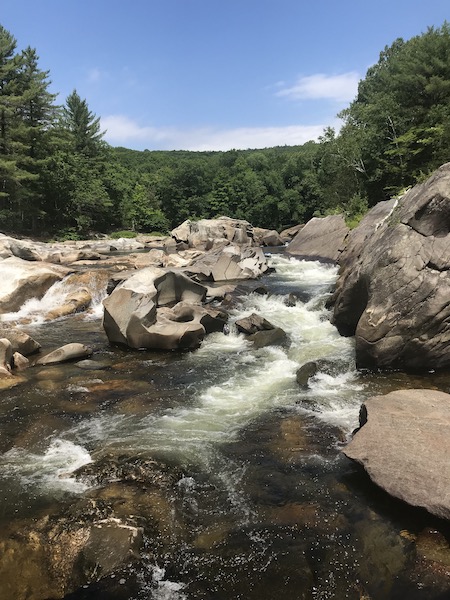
x=35 y=310
x=245 y=382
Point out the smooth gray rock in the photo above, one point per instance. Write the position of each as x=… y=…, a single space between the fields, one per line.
x=394 y=288
x=320 y=239
x=156 y=308
x=21 y=342
x=65 y=353
x=404 y=445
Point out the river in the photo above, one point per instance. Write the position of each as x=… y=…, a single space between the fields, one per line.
x=265 y=505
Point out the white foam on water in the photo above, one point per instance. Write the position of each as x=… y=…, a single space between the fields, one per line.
x=163 y=589
x=249 y=382
x=34 y=311
x=256 y=380
x=50 y=470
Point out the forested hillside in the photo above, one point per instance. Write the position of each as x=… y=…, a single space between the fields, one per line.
x=59 y=178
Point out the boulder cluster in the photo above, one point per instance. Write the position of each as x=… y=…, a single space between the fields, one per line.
x=160 y=290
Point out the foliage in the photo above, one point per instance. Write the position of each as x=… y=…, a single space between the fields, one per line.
x=115 y=235
x=58 y=177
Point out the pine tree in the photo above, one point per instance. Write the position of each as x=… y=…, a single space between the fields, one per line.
x=82 y=126
x=10 y=175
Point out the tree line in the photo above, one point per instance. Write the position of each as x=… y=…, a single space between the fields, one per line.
x=59 y=178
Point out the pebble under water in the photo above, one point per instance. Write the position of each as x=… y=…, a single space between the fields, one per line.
x=261 y=502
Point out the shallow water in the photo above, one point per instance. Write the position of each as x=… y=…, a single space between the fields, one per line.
x=265 y=503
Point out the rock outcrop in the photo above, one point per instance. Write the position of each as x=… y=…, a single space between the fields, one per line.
x=320 y=239
x=393 y=291
x=207 y=233
x=403 y=444
x=160 y=309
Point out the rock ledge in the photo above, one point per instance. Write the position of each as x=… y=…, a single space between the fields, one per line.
x=404 y=445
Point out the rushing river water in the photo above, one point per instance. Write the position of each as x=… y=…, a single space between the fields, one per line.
x=270 y=507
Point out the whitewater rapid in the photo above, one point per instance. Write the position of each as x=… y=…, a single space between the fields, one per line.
x=235 y=384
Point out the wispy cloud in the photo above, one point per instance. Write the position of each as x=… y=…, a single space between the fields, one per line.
x=123 y=131
x=340 y=88
x=94 y=75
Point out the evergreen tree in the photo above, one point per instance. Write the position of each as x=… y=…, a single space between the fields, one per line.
x=82 y=126
x=10 y=174
x=37 y=114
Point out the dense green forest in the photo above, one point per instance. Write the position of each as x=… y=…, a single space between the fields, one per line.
x=59 y=178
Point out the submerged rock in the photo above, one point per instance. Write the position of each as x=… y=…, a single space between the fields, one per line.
x=305 y=372
x=403 y=444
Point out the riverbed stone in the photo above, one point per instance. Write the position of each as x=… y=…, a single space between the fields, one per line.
x=403 y=444
x=6 y=356
x=65 y=353
x=20 y=361
x=305 y=372
x=269 y=337
x=20 y=341
x=253 y=323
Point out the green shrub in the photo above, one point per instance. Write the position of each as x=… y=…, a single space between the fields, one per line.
x=115 y=235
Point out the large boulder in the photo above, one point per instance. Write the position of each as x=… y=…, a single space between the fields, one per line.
x=320 y=239
x=206 y=233
x=403 y=444
x=148 y=310
x=23 y=280
x=393 y=288
x=20 y=341
x=267 y=237
x=229 y=263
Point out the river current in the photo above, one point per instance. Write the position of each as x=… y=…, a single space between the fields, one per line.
x=274 y=509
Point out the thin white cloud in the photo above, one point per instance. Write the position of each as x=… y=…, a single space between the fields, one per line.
x=123 y=131
x=340 y=88
x=94 y=75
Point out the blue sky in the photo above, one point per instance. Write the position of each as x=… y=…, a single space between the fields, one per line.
x=213 y=74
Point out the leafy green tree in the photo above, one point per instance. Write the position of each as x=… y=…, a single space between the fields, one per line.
x=401 y=114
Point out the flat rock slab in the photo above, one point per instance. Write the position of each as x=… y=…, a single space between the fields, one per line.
x=404 y=445
x=320 y=239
